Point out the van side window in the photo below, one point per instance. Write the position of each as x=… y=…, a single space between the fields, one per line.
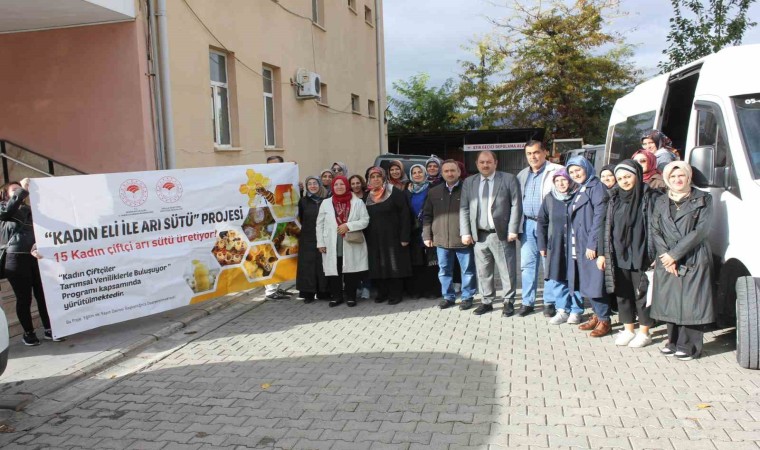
x=626 y=136
x=711 y=131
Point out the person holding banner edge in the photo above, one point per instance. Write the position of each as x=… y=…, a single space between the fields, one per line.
x=20 y=259
x=273 y=291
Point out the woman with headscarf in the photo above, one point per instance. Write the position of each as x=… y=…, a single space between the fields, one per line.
x=338 y=168
x=388 y=236
x=585 y=219
x=551 y=239
x=326 y=177
x=310 y=277
x=683 y=265
x=396 y=175
x=607 y=176
x=626 y=253
x=424 y=280
x=340 y=239
x=648 y=163
x=433 y=171
x=656 y=142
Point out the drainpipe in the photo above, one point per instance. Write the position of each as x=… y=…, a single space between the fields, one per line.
x=380 y=74
x=158 y=123
x=165 y=78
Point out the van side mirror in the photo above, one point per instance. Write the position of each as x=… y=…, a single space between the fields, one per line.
x=704 y=172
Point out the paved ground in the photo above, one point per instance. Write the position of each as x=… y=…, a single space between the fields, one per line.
x=288 y=375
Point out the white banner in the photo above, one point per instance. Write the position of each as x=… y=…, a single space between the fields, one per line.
x=121 y=246
x=494 y=147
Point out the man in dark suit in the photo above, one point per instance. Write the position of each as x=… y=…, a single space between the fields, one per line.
x=489 y=218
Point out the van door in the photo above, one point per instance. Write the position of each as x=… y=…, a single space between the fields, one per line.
x=634 y=115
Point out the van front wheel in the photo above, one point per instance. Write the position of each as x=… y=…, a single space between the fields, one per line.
x=748 y=322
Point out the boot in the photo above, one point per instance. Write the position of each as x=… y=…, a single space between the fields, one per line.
x=602 y=329
x=590 y=324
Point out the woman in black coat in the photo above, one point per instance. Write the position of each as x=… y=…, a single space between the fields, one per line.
x=551 y=235
x=310 y=278
x=683 y=272
x=388 y=236
x=21 y=266
x=626 y=254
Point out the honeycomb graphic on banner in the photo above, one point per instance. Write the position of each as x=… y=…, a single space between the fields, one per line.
x=267 y=235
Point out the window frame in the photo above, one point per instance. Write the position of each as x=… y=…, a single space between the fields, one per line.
x=368 y=10
x=271 y=96
x=356 y=105
x=318 y=12
x=216 y=104
x=352 y=6
x=371 y=108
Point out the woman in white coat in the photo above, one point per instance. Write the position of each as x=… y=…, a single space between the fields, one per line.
x=341 y=241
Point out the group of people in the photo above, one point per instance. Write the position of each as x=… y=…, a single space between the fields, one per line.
x=631 y=240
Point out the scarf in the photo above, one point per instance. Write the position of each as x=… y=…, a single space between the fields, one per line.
x=651 y=164
x=627 y=210
x=342 y=166
x=416 y=187
x=571 y=189
x=328 y=189
x=581 y=161
x=432 y=160
x=661 y=141
x=611 y=169
x=320 y=194
x=341 y=203
x=399 y=183
x=673 y=194
x=381 y=193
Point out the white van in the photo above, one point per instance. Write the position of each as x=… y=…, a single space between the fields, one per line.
x=711 y=110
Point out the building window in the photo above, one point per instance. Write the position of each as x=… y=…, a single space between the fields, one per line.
x=368 y=15
x=355 y=104
x=318 y=12
x=269 y=133
x=323 y=94
x=371 y=111
x=352 y=5
x=220 y=99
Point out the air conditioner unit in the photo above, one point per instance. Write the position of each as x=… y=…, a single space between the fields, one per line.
x=308 y=84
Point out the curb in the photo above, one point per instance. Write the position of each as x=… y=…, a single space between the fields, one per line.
x=109 y=358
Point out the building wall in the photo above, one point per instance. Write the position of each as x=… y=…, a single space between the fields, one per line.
x=257 y=33
x=79 y=96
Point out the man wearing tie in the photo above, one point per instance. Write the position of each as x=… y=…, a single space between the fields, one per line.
x=489 y=218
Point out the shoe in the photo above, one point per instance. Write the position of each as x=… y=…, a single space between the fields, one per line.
x=624 y=337
x=350 y=303
x=446 y=304
x=334 y=303
x=379 y=299
x=559 y=318
x=574 y=319
x=482 y=309
x=30 y=339
x=465 y=305
x=667 y=351
x=508 y=310
x=641 y=340
x=308 y=300
x=282 y=292
x=525 y=310
x=685 y=357
x=394 y=301
x=49 y=336
x=276 y=295
x=550 y=310
x=602 y=329
x=590 y=324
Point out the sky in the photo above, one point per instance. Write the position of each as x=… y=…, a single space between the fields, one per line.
x=429 y=35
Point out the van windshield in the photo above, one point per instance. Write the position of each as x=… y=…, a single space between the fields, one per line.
x=748 y=114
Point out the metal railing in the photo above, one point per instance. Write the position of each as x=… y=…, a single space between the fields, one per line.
x=19 y=162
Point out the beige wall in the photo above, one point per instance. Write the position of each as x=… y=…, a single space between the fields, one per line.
x=79 y=96
x=261 y=32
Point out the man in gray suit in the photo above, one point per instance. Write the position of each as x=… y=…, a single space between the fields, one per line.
x=489 y=218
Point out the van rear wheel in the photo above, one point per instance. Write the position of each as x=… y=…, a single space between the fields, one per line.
x=748 y=322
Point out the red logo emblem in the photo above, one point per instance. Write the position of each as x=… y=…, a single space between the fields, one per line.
x=133 y=192
x=169 y=189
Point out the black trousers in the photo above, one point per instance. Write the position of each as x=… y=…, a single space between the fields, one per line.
x=23 y=274
x=630 y=303
x=686 y=338
x=389 y=288
x=351 y=281
x=424 y=282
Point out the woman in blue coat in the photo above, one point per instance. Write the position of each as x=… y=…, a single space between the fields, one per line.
x=585 y=213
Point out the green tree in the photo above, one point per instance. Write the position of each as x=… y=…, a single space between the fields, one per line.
x=712 y=25
x=478 y=89
x=419 y=107
x=566 y=70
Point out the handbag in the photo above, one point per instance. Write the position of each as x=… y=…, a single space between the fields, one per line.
x=354 y=237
